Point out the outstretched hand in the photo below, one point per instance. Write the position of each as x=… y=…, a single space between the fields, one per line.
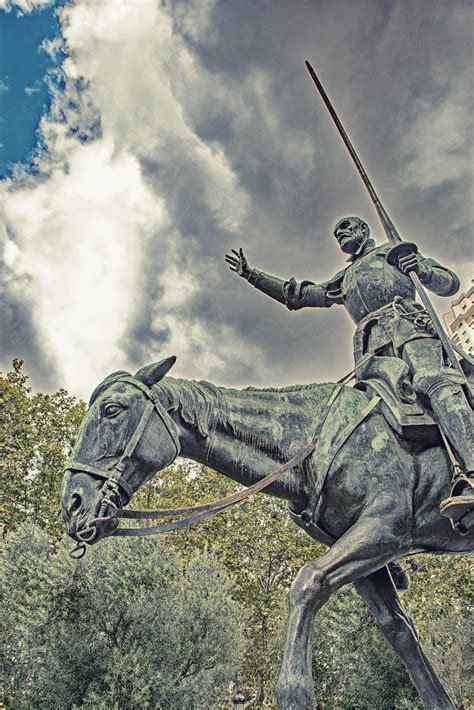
x=238 y=262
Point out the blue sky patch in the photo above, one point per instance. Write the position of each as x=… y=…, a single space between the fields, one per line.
x=27 y=73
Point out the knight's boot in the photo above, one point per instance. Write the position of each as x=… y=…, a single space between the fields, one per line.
x=455 y=418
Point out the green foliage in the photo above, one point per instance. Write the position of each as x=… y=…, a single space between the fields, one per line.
x=125 y=628
x=110 y=631
x=37 y=434
x=260 y=547
x=441 y=602
x=353 y=666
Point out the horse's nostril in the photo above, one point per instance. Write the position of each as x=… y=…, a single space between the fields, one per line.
x=76 y=503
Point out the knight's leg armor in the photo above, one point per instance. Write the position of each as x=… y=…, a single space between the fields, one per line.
x=442 y=388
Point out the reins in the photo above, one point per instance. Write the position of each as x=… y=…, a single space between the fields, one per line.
x=198 y=513
x=202 y=512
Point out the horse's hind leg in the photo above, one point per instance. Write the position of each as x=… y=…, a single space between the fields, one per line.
x=380 y=594
x=372 y=542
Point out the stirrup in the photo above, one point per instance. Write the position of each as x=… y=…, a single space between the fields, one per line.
x=459 y=507
x=460 y=481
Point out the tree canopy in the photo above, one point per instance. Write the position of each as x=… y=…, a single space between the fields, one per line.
x=121 y=628
x=118 y=624
x=37 y=434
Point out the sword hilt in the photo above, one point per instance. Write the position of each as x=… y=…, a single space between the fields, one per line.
x=399 y=251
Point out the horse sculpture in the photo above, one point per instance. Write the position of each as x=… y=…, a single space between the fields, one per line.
x=378 y=500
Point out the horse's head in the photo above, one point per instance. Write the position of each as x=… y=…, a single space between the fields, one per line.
x=126 y=435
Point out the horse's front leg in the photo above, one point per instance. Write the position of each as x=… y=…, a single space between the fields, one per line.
x=368 y=545
x=380 y=594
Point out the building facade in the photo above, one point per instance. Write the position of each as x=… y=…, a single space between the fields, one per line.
x=460 y=321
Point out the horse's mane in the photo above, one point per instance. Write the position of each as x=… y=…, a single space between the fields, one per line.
x=204 y=405
x=200 y=404
x=288 y=388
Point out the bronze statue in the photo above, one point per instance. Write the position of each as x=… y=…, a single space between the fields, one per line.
x=380 y=299
x=378 y=290
x=353 y=484
x=363 y=468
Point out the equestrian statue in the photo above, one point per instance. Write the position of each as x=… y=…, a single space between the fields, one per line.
x=395 y=341
x=376 y=471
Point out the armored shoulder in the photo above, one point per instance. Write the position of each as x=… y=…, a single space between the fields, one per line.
x=438 y=278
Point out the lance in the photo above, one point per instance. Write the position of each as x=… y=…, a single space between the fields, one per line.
x=400 y=248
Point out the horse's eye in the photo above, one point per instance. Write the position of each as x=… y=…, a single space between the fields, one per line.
x=111 y=410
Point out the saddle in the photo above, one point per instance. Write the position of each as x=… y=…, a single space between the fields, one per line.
x=389 y=378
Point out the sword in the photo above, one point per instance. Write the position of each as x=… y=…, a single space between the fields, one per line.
x=400 y=247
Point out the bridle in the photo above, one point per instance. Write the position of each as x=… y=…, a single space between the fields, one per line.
x=115 y=478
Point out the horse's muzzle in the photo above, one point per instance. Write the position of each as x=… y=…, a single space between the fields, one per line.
x=90 y=531
x=88 y=507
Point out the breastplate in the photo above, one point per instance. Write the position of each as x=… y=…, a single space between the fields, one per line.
x=370 y=283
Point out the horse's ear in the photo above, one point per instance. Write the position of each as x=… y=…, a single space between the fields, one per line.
x=151 y=374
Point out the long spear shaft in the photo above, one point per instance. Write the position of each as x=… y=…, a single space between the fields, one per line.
x=392 y=234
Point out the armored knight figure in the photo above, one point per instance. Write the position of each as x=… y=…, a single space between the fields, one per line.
x=380 y=298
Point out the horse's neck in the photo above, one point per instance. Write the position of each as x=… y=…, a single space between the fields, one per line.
x=245 y=434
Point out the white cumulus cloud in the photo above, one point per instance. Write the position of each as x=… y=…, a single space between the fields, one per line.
x=184 y=129
x=86 y=227
x=25 y=6
x=79 y=236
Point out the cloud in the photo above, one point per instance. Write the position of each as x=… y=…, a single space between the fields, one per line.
x=189 y=128
x=200 y=190
x=52 y=47
x=21 y=332
x=82 y=248
x=25 y=6
x=33 y=89
x=4 y=85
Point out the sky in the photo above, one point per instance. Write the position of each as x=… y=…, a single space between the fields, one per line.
x=29 y=65
x=143 y=139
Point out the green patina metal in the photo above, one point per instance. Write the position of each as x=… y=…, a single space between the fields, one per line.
x=371 y=485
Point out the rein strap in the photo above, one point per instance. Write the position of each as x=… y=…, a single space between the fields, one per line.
x=198 y=513
x=202 y=512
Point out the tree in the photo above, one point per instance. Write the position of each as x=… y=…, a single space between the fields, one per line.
x=261 y=548
x=353 y=665
x=37 y=435
x=123 y=629
x=441 y=601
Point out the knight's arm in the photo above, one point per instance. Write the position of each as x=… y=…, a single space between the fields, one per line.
x=438 y=278
x=293 y=294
